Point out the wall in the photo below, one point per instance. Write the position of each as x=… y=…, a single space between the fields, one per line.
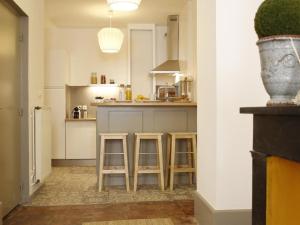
x=35 y=11
x=188 y=41
x=207 y=97
x=228 y=78
x=85 y=56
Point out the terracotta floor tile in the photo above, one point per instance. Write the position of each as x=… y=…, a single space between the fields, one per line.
x=178 y=211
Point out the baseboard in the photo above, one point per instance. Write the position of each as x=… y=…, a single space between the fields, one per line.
x=73 y=162
x=207 y=215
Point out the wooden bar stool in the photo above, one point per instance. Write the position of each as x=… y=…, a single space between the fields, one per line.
x=191 y=153
x=158 y=169
x=113 y=169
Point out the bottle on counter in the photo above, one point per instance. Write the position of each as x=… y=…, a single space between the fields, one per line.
x=93 y=78
x=128 y=93
x=122 y=96
x=84 y=112
x=103 y=79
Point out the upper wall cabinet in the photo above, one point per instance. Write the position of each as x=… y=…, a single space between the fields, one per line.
x=57 y=68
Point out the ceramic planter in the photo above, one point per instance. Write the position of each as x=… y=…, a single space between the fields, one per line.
x=280 y=68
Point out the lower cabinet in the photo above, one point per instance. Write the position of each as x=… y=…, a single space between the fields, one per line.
x=80 y=139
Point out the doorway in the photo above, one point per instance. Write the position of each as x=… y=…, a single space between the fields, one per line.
x=11 y=105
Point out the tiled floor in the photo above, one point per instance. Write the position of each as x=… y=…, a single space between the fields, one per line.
x=70 y=197
x=180 y=212
x=77 y=185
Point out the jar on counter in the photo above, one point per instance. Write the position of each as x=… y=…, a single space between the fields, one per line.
x=122 y=96
x=93 y=78
x=128 y=92
x=103 y=79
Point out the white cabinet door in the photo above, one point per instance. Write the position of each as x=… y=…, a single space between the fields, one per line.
x=57 y=68
x=56 y=100
x=142 y=59
x=81 y=139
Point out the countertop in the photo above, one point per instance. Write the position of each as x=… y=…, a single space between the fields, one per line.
x=145 y=104
x=79 y=120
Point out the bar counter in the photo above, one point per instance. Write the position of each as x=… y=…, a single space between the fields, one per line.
x=134 y=117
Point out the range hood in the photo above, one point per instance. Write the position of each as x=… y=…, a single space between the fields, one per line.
x=172 y=64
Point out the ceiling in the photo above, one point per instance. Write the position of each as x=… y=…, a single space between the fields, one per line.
x=94 y=13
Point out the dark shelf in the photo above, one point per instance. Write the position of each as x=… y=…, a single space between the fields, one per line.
x=276 y=110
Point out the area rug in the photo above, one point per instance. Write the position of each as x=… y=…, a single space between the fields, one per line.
x=135 y=222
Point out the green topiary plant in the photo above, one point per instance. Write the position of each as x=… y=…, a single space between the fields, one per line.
x=278 y=17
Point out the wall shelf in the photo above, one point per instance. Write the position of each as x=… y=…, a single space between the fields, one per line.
x=92 y=85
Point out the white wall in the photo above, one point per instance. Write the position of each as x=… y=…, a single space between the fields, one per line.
x=229 y=78
x=85 y=55
x=207 y=101
x=188 y=41
x=35 y=12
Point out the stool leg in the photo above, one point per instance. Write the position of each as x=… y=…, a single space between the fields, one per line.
x=173 y=149
x=195 y=153
x=126 y=163
x=190 y=159
x=168 y=159
x=136 y=162
x=101 y=166
x=161 y=165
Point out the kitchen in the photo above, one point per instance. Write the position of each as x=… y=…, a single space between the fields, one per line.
x=91 y=91
x=97 y=132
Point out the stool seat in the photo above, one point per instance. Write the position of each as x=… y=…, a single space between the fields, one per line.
x=148 y=136
x=183 y=135
x=191 y=154
x=156 y=169
x=105 y=170
x=113 y=134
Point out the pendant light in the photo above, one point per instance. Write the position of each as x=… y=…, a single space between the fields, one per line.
x=110 y=39
x=123 y=5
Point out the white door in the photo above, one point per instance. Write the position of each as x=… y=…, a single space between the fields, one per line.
x=9 y=108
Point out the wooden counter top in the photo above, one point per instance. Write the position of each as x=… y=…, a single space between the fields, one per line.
x=145 y=104
x=79 y=120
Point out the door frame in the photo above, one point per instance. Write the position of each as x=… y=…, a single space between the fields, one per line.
x=24 y=101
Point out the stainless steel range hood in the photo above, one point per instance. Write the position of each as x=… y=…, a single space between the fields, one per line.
x=172 y=64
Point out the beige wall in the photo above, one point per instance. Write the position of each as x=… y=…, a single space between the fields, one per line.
x=85 y=57
x=35 y=11
x=207 y=101
x=228 y=78
x=188 y=41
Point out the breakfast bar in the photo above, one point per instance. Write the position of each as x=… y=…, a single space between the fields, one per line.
x=141 y=117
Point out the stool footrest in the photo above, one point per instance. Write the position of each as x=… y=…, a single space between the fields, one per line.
x=114 y=170
x=185 y=152
x=148 y=153
x=184 y=170
x=148 y=169
x=117 y=153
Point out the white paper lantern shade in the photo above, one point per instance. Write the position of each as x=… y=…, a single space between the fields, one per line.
x=124 y=5
x=110 y=40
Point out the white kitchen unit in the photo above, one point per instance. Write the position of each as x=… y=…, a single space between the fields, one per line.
x=142 y=57
x=80 y=139
x=56 y=100
x=57 y=68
